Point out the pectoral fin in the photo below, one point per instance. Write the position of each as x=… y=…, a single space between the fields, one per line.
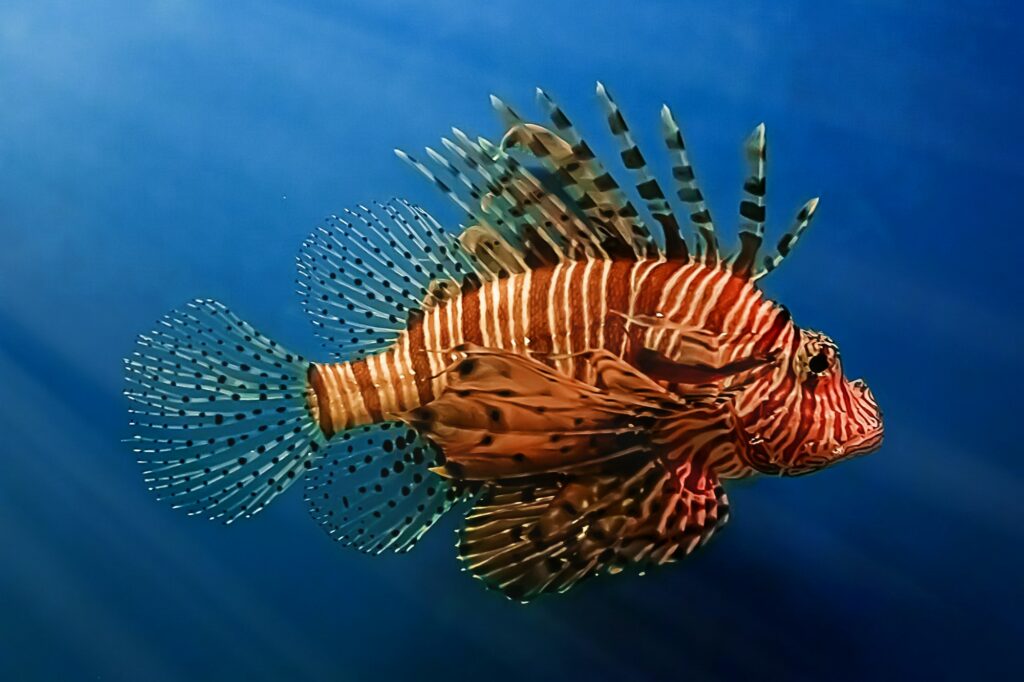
x=505 y=415
x=534 y=539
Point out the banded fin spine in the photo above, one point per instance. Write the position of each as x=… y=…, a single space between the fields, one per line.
x=584 y=169
x=647 y=185
x=752 y=212
x=687 y=189
x=514 y=196
x=593 y=191
x=596 y=219
x=219 y=413
x=509 y=240
x=788 y=241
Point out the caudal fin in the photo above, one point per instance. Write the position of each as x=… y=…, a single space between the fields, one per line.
x=219 y=416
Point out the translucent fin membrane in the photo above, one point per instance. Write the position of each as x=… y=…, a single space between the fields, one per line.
x=219 y=416
x=372 y=488
x=367 y=271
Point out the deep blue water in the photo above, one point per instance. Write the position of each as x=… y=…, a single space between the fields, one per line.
x=151 y=152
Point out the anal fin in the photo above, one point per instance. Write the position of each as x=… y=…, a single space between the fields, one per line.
x=372 y=488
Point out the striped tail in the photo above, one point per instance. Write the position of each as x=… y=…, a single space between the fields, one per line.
x=374 y=488
x=220 y=414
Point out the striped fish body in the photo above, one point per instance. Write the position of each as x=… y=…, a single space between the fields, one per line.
x=556 y=315
x=581 y=378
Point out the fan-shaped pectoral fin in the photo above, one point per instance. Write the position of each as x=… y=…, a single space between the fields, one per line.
x=534 y=538
x=505 y=415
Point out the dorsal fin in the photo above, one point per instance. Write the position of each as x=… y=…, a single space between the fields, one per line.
x=588 y=215
x=788 y=241
x=591 y=176
x=688 y=191
x=612 y=225
x=752 y=207
x=647 y=185
x=508 y=200
x=364 y=274
x=473 y=208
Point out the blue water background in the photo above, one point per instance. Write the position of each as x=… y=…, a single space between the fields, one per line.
x=151 y=152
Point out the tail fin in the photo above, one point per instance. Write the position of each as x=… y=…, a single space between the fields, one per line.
x=219 y=415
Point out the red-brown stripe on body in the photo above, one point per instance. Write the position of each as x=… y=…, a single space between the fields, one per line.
x=395 y=377
x=539 y=327
x=339 y=405
x=618 y=296
x=573 y=312
x=367 y=389
x=470 y=320
x=685 y=307
x=420 y=361
x=649 y=298
x=593 y=307
x=722 y=304
x=503 y=313
x=773 y=333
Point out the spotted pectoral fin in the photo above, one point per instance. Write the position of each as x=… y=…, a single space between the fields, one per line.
x=505 y=415
x=542 y=537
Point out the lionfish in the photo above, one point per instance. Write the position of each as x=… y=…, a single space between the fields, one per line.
x=578 y=378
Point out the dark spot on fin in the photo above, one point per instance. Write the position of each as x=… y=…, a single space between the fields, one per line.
x=374 y=489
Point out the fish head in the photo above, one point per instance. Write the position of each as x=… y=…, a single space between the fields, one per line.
x=829 y=418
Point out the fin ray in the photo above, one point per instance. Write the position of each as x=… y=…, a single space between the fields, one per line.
x=363 y=277
x=372 y=488
x=687 y=189
x=219 y=416
x=546 y=536
x=647 y=185
x=788 y=241
x=752 y=209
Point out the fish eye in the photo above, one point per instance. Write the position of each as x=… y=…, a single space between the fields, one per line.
x=819 y=363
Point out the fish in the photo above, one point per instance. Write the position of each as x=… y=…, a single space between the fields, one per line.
x=572 y=370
